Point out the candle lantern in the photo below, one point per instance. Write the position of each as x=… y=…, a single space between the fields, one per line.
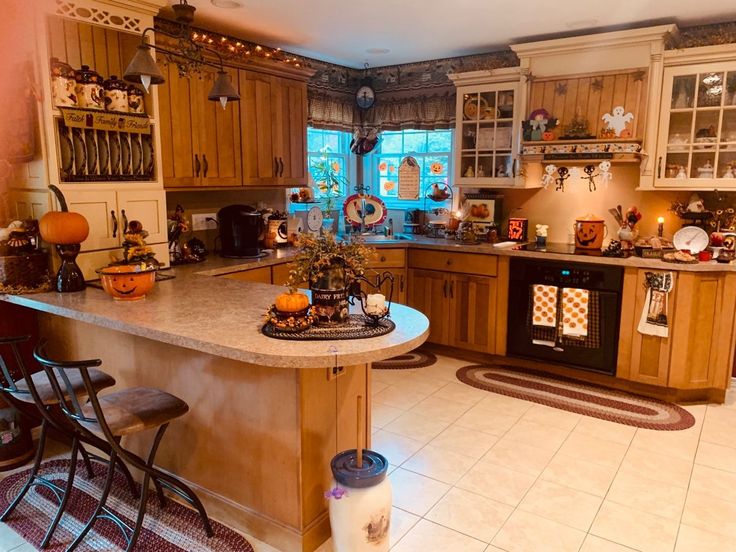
x=375 y=305
x=660 y=227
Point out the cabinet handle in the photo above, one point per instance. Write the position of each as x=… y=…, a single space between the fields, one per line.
x=205 y=166
x=275 y=166
x=449 y=262
x=281 y=167
x=515 y=167
x=401 y=283
x=114 y=224
x=124 y=220
x=659 y=167
x=197 y=165
x=444 y=289
x=452 y=290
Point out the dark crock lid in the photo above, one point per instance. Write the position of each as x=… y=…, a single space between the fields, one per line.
x=61 y=68
x=86 y=75
x=346 y=471
x=114 y=83
x=134 y=90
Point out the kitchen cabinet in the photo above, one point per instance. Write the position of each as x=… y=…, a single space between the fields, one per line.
x=262 y=274
x=200 y=141
x=428 y=294
x=273 y=120
x=393 y=261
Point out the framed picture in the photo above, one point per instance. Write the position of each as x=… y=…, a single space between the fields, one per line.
x=480 y=210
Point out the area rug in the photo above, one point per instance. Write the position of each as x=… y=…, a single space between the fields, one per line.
x=174 y=528
x=413 y=359
x=575 y=396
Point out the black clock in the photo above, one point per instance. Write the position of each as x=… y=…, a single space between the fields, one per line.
x=365 y=97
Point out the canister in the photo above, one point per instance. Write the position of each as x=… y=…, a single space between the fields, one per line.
x=116 y=94
x=89 y=89
x=62 y=83
x=589 y=232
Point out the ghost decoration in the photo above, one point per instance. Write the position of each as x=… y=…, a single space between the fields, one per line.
x=617 y=120
x=605 y=172
x=549 y=175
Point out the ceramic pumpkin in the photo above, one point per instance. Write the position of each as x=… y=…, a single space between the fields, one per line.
x=127 y=282
x=589 y=232
x=292 y=302
x=547 y=135
x=63 y=227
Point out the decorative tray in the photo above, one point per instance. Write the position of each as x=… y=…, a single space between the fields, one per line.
x=355 y=328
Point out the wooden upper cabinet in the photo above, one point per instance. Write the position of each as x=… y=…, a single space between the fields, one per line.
x=291 y=131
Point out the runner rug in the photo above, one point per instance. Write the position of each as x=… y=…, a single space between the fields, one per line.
x=575 y=396
x=413 y=359
x=174 y=528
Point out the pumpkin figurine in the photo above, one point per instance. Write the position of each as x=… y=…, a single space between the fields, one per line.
x=292 y=302
x=66 y=230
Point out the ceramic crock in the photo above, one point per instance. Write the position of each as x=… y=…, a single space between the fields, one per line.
x=360 y=503
x=589 y=232
x=62 y=83
x=89 y=89
x=135 y=100
x=116 y=94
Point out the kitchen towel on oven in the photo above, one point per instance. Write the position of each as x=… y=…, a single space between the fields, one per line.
x=575 y=312
x=653 y=319
x=544 y=305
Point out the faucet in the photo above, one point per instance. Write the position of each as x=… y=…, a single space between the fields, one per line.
x=362 y=213
x=390 y=227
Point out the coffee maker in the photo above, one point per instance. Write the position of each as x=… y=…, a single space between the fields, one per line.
x=240 y=229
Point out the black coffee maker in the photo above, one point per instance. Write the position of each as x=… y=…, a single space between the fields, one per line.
x=240 y=229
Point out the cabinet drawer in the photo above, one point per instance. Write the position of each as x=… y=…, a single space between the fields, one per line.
x=262 y=274
x=388 y=258
x=465 y=263
x=280 y=275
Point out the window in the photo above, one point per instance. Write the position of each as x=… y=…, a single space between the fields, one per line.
x=431 y=148
x=334 y=145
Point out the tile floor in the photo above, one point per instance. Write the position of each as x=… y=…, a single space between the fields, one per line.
x=475 y=471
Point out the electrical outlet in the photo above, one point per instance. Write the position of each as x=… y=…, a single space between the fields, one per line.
x=200 y=222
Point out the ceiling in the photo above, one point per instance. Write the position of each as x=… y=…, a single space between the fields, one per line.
x=357 y=32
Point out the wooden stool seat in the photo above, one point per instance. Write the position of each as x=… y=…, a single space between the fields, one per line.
x=100 y=380
x=135 y=409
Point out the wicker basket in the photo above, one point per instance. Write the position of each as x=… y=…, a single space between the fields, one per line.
x=28 y=270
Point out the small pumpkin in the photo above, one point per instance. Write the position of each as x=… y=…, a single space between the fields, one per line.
x=63 y=227
x=548 y=135
x=292 y=302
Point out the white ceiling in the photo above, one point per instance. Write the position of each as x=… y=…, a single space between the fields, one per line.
x=341 y=31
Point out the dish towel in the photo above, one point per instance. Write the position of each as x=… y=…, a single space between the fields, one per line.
x=545 y=306
x=575 y=312
x=653 y=319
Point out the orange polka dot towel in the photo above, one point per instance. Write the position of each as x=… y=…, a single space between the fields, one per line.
x=575 y=312
x=545 y=306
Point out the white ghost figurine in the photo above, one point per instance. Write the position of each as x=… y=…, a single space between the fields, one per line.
x=617 y=121
x=605 y=174
x=549 y=175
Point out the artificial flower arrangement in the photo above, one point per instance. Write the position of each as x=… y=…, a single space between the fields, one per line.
x=328 y=179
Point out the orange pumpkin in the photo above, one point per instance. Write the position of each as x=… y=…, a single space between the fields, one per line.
x=548 y=135
x=127 y=282
x=63 y=227
x=292 y=302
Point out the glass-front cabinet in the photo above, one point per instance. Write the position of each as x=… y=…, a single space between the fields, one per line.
x=487 y=130
x=696 y=147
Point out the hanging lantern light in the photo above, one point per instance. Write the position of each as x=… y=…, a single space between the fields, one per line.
x=223 y=89
x=143 y=69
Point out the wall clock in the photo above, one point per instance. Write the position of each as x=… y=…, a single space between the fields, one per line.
x=365 y=97
x=314 y=219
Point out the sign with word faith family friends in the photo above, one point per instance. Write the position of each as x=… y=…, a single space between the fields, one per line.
x=106 y=120
x=409 y=178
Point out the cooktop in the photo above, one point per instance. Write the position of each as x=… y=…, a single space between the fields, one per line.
x=559 y=249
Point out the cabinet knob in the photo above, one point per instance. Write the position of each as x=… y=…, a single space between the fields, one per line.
x=383 y=259
x=449 y=262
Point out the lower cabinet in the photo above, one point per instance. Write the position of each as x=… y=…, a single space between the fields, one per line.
x=262 y=274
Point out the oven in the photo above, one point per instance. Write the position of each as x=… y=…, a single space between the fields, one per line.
x=565 y=312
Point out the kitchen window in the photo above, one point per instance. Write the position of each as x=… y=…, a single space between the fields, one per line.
x=431 y=148
x=335 y=146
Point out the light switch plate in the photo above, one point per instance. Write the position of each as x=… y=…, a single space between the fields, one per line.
x=200 y=222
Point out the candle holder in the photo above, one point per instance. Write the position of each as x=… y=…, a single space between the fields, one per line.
x=356 y=292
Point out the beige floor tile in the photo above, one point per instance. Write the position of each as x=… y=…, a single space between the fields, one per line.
x=401 y=522
x=382 y=414
x=648 y=495
x=493 y=422
x=377 y=387
x=399 y=397
x=440 y=409
x=396 y=448
x=422 y=383
x=593 y=449
x=730 y=401
x=525 y=532
x=9 y=539
x=719 y=426
x=415 y=493
x=579 y=474
x=634 y=528
x=442 y=371
x=692 y=539
x=492 y=548
x=508 y=405
x=603 y=429
x=554 y=417
x=389 y=377
x=562 y=504
x=441 y=464
x=31 y=548
x=659 y=467
x=716 y=456
x=425 y=536
x=538 y=435
x=496 y=482
x=417 y=427
x=717 y=483
x=678 y=444
x=519 y=456
x=460 y=392
x=470 y=513
x=597 y=544
x=465 y=441
x=710 y=514
x=698 y=412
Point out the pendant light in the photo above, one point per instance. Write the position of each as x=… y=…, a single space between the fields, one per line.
x=143 y=69
x=223 y=90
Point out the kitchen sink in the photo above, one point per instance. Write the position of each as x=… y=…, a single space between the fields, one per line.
x=380 y=238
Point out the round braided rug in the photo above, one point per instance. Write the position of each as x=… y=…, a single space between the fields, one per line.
x=575 y=396
x=413 y=359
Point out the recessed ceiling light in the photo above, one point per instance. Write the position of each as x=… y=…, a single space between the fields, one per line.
x=227 y=4
x=377 y=51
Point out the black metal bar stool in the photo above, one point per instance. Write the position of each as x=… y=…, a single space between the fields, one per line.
x=116 y=415
x=36 y=389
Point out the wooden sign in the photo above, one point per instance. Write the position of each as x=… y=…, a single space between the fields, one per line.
x=409 y=178
x=106 y=120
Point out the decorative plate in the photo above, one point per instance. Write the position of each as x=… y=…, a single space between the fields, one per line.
x=137 y=153
x=375 y=210
x=147 y=143
x=66 y=151
x=80 y=155
x=125 y=153
x=90 y=142
x=471 y=108
x=103 y=153
x=114 y=153
x=691 y=238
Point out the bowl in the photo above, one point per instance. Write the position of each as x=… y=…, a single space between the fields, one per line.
x=127 y=282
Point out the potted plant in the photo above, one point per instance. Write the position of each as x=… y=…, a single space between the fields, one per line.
x=329 y=266
x=330 y=182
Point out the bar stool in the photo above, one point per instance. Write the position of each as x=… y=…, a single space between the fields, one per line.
x=36 y=389
x=116 y=415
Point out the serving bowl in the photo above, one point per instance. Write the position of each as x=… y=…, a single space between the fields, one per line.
x=127 y=282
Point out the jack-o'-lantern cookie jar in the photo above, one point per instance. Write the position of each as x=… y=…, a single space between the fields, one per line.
x=589 y=232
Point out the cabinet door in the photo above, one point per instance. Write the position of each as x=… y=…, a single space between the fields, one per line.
x=257 y=111
x=473 y=312
x=428 y=293
x=219 y=134
x=280 y=275
x=262 y=275
x=290 y=131
x=100 y=210
x=178 y=124
x=400 y=283
x=148 y=207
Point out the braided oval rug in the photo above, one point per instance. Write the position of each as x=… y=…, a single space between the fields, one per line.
x=174 y=528
x=413 y=359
